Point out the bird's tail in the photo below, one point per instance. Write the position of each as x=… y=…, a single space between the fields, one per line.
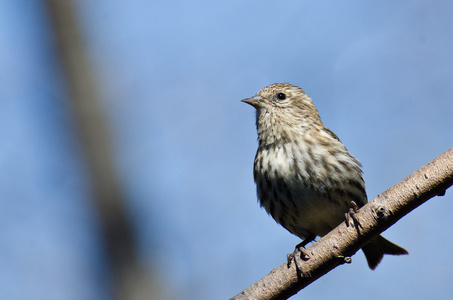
x=375 y=250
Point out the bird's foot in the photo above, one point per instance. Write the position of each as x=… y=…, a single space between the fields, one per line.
x=351 y=215
x=299 y=249
x=303 y=255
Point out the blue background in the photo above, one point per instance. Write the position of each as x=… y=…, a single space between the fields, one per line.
x=171 y=75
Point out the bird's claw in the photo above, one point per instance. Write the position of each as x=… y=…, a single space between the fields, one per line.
x=351 y=217
x=292 y=256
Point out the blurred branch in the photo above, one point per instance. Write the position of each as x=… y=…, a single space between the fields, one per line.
x=341 y=243
x=116 y=228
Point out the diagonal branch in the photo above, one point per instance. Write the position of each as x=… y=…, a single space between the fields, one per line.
x=336 y=247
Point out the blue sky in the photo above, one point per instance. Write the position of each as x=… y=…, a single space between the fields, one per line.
x=172 y=74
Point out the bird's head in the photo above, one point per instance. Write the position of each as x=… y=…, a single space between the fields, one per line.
x=284 y=102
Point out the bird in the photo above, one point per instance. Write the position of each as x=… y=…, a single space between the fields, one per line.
x=306 y=178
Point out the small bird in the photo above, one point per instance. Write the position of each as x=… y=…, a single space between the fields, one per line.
x=306 y=179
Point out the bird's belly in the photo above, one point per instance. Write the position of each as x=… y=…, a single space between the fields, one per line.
x=305 y=195
x=306 y=213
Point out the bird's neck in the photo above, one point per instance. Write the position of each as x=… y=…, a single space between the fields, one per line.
x=277 y=131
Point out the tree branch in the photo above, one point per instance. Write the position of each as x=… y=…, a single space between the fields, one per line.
x=128 y=279
x=336 y=247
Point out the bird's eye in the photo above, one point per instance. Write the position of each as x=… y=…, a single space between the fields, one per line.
x=281 y=96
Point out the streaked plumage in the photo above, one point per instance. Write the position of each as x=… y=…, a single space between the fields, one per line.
x=305 y=177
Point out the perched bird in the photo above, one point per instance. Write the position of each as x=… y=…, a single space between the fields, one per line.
x=306 y=179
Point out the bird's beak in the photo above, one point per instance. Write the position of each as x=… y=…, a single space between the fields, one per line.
x=256 y=101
